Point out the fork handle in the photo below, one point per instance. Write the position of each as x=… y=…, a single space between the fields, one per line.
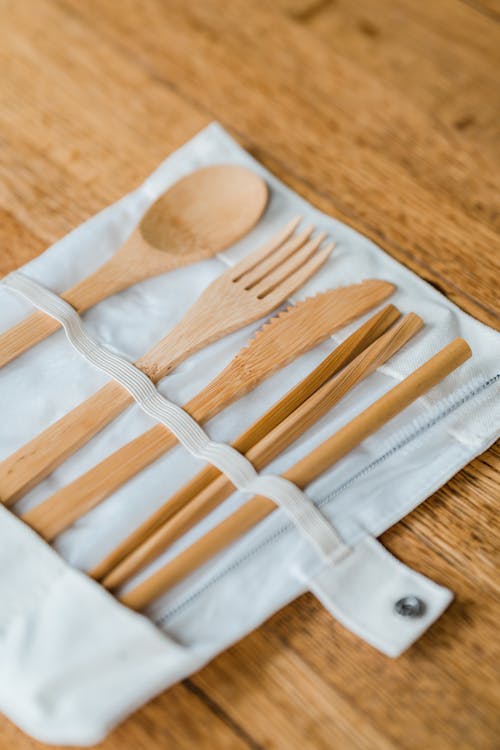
x=198 y=328
x=37 y=459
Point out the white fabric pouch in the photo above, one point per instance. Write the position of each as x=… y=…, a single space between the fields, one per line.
x=73 y=660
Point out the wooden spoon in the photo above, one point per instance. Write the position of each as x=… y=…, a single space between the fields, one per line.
x=199 y=216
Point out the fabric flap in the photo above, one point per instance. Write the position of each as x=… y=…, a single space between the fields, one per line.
x=73 y=661
x=377 y=597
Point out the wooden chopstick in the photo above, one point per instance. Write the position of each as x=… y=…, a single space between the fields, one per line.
x=302 y=473
x=335 y=361
x=270 y=446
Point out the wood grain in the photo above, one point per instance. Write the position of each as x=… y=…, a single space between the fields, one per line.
x=384 y=114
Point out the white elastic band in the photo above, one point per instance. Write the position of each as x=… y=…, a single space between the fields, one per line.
x=308 y=519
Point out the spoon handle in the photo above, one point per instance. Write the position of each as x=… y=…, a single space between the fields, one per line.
x=118 y=273
x=24 y=335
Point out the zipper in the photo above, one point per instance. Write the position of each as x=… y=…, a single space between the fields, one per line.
x=404 y=437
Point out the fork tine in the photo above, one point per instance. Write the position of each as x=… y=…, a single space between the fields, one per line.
x=290 y=285
x=264 y=267
x=286 y=269
x=250 y=261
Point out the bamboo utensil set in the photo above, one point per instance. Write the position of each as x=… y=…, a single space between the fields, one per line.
x=244 y=293
x=199 y=216
x=284 y=338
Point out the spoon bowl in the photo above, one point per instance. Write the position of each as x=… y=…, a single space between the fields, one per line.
x=204 y=212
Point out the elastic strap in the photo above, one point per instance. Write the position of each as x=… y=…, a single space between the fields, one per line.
x=308 y=519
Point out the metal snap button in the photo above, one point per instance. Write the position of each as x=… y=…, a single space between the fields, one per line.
x=409 y=606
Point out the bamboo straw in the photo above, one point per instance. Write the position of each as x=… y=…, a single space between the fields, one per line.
x=304 y=472
x=270 y=446
x=338 y=358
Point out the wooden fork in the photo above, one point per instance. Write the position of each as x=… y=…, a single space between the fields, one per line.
x=242 y=294
x=302 y=473
x=193 y=507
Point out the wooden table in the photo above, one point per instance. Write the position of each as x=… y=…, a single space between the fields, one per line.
x=385 y=114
